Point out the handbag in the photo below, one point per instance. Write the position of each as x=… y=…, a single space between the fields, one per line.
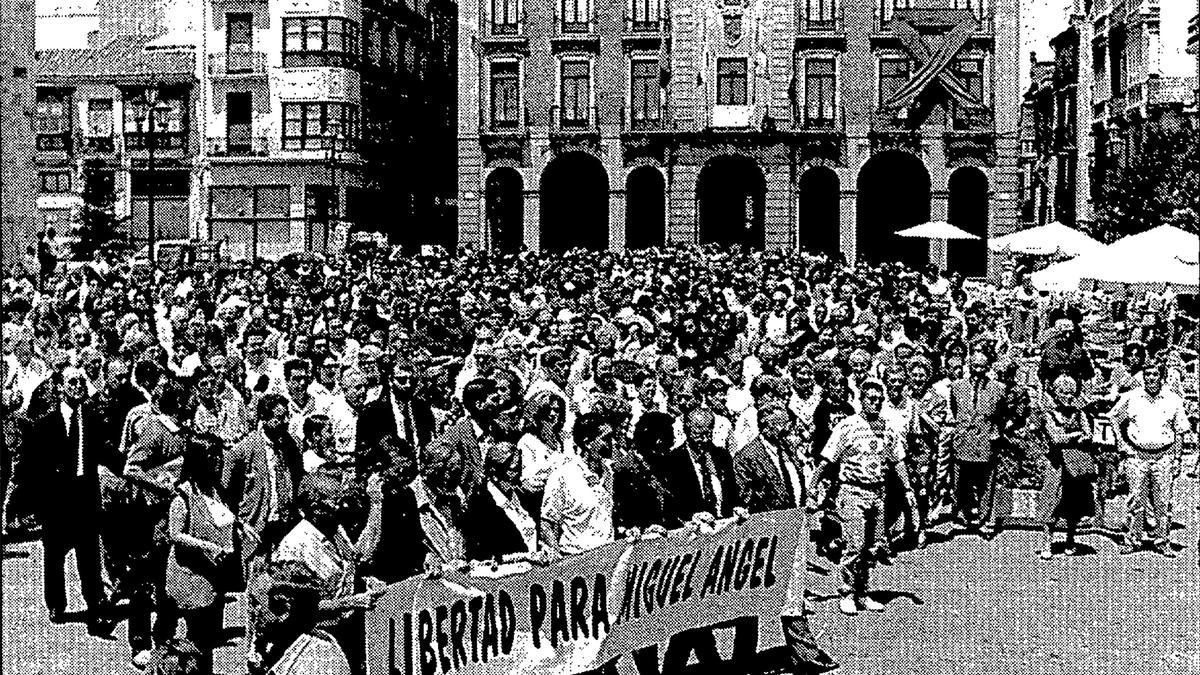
x=1078 y=464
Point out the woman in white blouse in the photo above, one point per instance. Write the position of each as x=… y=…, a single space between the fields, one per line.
x=542 y=445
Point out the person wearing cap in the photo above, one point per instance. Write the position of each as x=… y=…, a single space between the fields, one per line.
x=860 y=453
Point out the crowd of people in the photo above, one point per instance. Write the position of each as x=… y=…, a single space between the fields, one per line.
x=292 y=428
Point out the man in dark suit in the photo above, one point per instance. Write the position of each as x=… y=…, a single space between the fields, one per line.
x=70 y=496
x=496 y=523
x=767 y=470
x=466 y=436
x=399 y=412
x=260 y=477
x=708 y=483
x=769 y=478
x=975 y=413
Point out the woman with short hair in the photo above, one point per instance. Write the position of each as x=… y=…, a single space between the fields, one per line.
x=1067 y=491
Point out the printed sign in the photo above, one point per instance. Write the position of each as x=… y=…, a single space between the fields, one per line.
x=646 y=607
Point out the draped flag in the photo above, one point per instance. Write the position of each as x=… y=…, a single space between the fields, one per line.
x=645 y=607
x=934 y=64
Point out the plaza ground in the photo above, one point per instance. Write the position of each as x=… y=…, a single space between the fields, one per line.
x=962 y=606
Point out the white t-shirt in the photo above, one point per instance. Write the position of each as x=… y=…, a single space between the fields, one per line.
x=581 y=502
x=1153 y=422
x=314 y=653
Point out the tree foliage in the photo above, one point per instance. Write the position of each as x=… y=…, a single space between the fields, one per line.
x=1161 y=184
x=97 y=224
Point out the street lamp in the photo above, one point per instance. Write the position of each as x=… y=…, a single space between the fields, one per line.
x=148 y=123
x=333 y=205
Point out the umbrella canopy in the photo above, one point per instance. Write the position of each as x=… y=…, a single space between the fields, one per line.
x=1162 y=257
x=1052 y=239
x=937 y=229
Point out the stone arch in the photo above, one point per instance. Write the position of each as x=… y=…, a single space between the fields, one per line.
x=645 y=208
x=504 y=209
x=893 y=194
x=731 y=196
x=818 y=222
x=968 y=209
x=574 y=203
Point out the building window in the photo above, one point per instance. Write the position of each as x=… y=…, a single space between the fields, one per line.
x=318 y=126
x=55 y=181
x=820 y=15
x=644 y=98
x=1116 y=54
x=576 y=95
x=888 y=7
x=99 y=125
x=506 y=17
x=893 y=75
x=166 y=121
x=820 y=92
x=53 y=121
x=976 y=6
x=252 y=220
x=576 y=15
x=731 y=81
x=970 y=73
x=506 y=95
x=330 y=42
x=644 y=15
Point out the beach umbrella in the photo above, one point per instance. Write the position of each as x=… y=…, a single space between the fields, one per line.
x=937 y=229
x=1051 y=239
x=1163 y=257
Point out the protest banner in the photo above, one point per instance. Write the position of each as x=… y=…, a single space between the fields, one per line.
x=646 y=607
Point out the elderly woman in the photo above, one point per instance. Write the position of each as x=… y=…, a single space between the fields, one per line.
x=1067 y=492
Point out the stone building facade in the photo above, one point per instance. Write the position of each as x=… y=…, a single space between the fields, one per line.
x=825 y=124
x=18 y=216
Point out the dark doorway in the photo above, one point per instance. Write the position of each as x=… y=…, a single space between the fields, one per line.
x=645 y=208
x=969 y=210
x=818 y=222
x=893 y=194
x=731 y=200
x=574 y=203
x=505 y=209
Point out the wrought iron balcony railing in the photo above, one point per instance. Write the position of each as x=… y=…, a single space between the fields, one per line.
x=237 y=64
x=570 y=119
x=240 y=146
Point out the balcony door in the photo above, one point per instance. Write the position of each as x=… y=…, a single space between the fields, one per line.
x=239 y=41
x=238 y=130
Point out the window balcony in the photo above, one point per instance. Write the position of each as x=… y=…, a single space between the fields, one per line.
x=240 y=146
x=643 y=25
x=237 y=64
x=573 y=120
x=54 y=142
x=161 y=140
x=504 y=123
x=95 y=145
x=646 y=121
x=575 y=27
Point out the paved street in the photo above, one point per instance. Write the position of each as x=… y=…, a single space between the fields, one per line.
x=961 y=606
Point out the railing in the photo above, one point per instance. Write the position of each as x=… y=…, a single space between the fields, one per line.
x=162 y=140
x=643 y=26
x=658 y=119
x=501 y=125
x=56 y=142
x=822 y=24
x=237 y=64
x=575 y=27
x=240 y=146
x=572 y=120
x=511 y=29
x=987 y=22
x=95 y=144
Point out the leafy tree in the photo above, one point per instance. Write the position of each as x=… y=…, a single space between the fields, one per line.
x=1159 y=186
x=97 y=220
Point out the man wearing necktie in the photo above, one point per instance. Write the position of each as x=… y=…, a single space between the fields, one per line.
x=975 y=408
x=70 y=499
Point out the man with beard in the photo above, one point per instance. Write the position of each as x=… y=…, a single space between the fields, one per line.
x=399 y=412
